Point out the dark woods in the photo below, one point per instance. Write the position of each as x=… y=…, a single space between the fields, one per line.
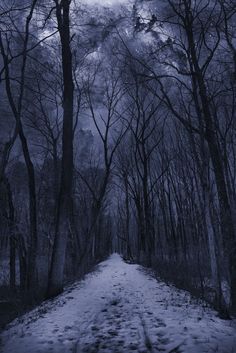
x=118 y=134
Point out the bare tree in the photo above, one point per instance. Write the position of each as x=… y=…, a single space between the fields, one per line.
x=16 y=107
x=55 y=285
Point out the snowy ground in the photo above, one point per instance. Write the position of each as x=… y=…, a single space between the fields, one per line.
x=120 y=308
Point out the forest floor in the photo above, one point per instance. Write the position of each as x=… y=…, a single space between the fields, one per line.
x=121 y=308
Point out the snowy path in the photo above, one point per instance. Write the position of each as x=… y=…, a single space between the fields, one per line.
x=119 y=308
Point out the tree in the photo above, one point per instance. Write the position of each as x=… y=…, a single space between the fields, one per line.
x=65 y=202
x=17 y=108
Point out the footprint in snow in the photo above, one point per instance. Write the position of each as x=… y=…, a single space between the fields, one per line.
x=115 y=302
x=67 y=328
x=161 y=333
x=133 y=346
x=164 y=340
x=112 y=332
x=94 y=328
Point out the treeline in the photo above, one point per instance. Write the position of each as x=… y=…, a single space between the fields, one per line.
x=176 y=171
x=54 y=224
x=119 y=137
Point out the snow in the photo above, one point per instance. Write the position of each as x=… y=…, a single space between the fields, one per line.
x=120 y=307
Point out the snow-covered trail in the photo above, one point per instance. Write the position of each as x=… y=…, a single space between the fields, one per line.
x=120 y=308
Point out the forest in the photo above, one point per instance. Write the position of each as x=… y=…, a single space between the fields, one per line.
x=117 y=134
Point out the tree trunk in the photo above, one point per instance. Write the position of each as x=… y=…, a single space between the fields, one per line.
x=32 y=276
x=64 y=213
x=11 y=219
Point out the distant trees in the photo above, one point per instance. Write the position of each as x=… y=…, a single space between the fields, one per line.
x=139 y=172
x=105 y=112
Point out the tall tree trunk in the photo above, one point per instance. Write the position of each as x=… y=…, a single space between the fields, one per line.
x=11 y=224
x=127 y=220
x=32 y=276
x=205 y=202
x=55 y=285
